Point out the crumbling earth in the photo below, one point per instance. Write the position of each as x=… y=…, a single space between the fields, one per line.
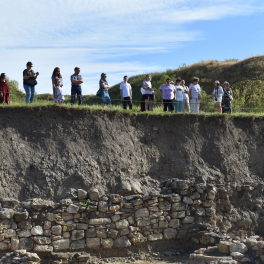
x=47 y=150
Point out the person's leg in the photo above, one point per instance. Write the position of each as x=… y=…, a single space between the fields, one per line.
x=175 y=106
x=79 y=95
x=142 y=103
x=27 y=91
x=193 y=105
x=188 y=106
x=183 y=105
x=146 y=104
x=218 y=106
x=170 y=105
x=150 y=105
x=125 y=102
x=197 y=106
x=180 y=106
x=165 y=105
x=32 y=94
x=73 y=92
x=130 y=104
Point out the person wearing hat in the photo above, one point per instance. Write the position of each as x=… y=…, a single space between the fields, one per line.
x=179 y=97
x=218 y=93
x=29 y=82
x=168 y=94
x=195 y=95
x=227 y=98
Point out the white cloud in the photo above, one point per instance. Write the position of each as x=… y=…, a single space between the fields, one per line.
x=97 y=34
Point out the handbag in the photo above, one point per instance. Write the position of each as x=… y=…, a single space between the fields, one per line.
x=98 y=93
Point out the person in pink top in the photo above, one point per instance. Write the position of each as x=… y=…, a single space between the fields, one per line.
x=168 y=93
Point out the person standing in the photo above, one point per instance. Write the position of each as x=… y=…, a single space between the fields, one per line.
x=149 y=93
x=218 y=93
x=76 y=88
x=185 y=101
x=126 y=94
x=168 y=93
x=195 y=95
x=56 y=78
x=104 y=86
x=143 y=97
x=179 y=97
x=4 y=90
x=227 y=98
x=29 y=82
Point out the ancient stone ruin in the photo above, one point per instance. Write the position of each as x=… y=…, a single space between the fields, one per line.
x=184 y=211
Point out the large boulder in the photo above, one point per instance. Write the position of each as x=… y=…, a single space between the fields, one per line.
x=122 y=242
x=62 y=244
x=20 y=216
x=6 y=213
x=238 y=247
x=26 y=243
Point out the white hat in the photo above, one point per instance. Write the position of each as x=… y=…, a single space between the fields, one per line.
x=217 y=82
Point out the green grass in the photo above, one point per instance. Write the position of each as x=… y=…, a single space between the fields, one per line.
x=158 y=110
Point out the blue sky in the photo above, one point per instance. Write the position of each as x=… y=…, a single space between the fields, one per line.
x=125 y=37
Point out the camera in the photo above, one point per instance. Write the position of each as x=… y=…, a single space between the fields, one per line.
x=215 y=99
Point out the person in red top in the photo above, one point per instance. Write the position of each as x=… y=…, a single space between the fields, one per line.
x=4 y=90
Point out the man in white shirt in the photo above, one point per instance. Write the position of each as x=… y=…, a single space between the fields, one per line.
x=185 y=104
x=126 y=93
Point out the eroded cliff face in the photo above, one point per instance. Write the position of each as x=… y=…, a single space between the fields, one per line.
x=47 y=150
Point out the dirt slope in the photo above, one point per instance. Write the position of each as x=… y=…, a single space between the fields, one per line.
x=47 y=150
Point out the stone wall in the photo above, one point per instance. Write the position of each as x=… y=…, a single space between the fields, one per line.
x=183 y=212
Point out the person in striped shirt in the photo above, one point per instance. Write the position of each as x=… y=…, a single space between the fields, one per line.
x=195 y=95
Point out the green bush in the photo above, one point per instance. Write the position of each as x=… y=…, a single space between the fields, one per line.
x=248 y=94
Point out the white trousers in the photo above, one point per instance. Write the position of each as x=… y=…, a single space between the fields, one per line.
x=195 y=105
x=185 y=105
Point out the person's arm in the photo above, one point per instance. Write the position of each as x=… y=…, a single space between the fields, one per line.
x=121 y=93
x=36 y=75
x=26 y=77
x=160 y=91
x=1 y=91
x=77 y=82
x=104 y=86
x=8 y=90
x=146 y=88
x=221 y=92
x=53 y=83
x=190 y=92
x=130 y=92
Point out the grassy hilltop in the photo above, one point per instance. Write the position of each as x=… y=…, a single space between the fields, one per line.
x=246 y=78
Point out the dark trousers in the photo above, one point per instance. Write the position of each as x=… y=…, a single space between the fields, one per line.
x=128 y=102
x=168 y=103
x=143 y=98
x=76 y=90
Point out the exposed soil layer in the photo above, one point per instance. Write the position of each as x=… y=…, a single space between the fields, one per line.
x=47 y=150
